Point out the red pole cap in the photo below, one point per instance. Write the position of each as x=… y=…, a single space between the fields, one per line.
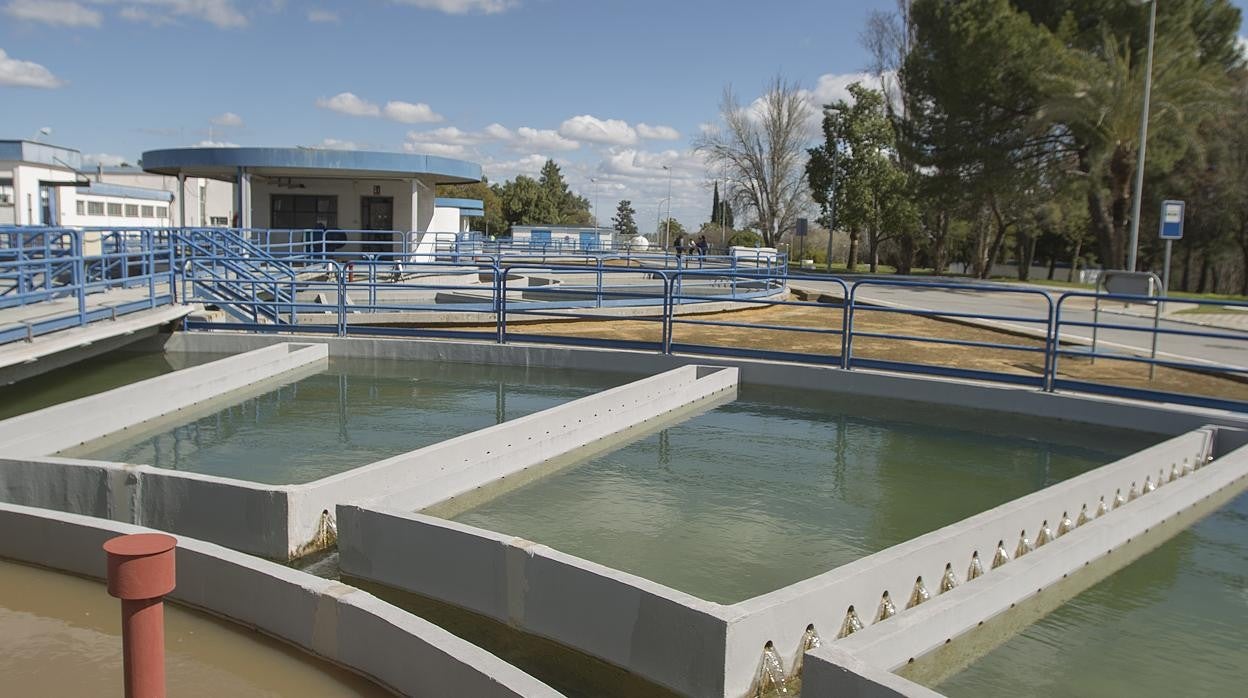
x=140 y=565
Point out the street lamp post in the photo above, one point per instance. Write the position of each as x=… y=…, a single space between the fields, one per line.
x=1133 y=252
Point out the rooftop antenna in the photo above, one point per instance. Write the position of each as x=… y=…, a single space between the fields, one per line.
x=45 y=131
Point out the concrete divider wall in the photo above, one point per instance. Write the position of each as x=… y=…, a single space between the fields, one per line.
x=830 y=672
x=913 y=634
x=46 y=431
x=426 y=476
x=339 y=623
x=669 y=637
x=782 y=616
x=245 y=516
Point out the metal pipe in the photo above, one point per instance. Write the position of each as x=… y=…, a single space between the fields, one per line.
x=140 y=573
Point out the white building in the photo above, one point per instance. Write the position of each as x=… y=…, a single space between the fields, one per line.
x=43 y=184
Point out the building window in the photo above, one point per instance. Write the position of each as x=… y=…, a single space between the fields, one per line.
x=95 y=208
x=219 y=221
x=162 y=211
x=114 y=209
x=149 y=212
x=6 y=192
x=81 y=207
x=132 y=210
x=302 y=211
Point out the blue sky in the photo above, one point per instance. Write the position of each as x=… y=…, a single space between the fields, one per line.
x=612 y=89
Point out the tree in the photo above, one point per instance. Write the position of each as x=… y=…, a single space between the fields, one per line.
x=676 y=230
x=562 y=207
x=625 y=222
x=1096 y=103
x=972 y=85
x=524 y=202
x=857 y=172
x=763 y=149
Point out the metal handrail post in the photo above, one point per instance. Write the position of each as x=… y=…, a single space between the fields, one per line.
x=1050 y=346
x=502 y=305
x=79 y=275
x=150 y=260
x=599 y=296
x=847 y=354
x=665 y=334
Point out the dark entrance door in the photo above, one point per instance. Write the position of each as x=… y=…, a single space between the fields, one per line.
x=377 y=213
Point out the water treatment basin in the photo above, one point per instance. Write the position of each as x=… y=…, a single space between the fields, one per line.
x=356 y=413
x=60 y=635
x=782 y=485
x=1173 y=623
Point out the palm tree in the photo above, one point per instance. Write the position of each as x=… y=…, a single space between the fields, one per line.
x=1095 y=102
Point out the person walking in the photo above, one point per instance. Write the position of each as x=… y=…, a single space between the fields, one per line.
x=679 y=244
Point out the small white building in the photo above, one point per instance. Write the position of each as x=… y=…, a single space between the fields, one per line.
x=557 y=238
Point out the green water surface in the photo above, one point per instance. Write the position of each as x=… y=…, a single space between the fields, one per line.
x=783 y=485
x=91 y=376
x=356 y=413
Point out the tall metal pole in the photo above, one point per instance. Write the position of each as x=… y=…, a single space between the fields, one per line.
x=597 y=223
x=667 y=228
x=1133 y=252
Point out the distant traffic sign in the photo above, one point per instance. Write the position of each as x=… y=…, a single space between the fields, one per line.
x=802 y=226
x=1172 y=213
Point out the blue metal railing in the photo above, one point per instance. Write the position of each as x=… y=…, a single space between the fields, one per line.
x=51 y=278
x=471 y=292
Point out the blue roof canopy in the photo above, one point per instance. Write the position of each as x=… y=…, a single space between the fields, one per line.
x=223 y=164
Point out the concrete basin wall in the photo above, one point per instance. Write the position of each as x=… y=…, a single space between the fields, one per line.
x=73 y=423
x=915 y=633
x=782 y=616
x=339 y=623
x=666 y=636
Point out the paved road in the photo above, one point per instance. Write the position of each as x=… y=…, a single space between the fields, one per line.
x=1229 y=351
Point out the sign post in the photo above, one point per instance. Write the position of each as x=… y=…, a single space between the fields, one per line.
x=1172 y=213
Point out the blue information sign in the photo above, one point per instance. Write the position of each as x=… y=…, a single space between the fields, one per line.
x=1172 y=220
x=801 y=227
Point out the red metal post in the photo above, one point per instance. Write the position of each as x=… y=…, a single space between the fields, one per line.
x=140 y=573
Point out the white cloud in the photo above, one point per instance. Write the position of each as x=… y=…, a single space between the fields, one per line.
x=657 y=133
x=228 y=118
x=832 y=87
x=15 y=73
x=214 y=144
x=591 y=129
x=335 y=144
x=219 y=13
x=451 y=140
x=541 y=139
x=498 y=170
x=408 y=113
x=348 y=103
x=57 y=12
x=1242 y=43
x=404 y=112
x=105 y=159
x=459 y=7
x=322 y=16
x=448 y=150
